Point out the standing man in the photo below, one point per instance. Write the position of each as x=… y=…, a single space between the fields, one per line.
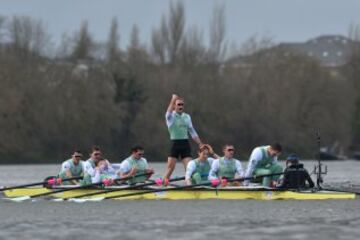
x=263 y=161
x=226 y=167
x=136 y=164
x=180 y=125
x=72 y=167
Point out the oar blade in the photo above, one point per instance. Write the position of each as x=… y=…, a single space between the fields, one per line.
x=18 y=199
x=83 y=200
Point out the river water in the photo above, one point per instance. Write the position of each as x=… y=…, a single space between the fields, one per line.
x=189 y=219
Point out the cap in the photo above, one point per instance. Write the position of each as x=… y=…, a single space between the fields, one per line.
x=292 y=157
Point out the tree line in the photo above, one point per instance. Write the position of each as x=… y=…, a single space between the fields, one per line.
x=88 y=92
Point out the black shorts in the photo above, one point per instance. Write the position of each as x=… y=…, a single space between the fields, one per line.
x=180 y=149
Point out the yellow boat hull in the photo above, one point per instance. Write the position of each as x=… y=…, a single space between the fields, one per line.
x=195 y=194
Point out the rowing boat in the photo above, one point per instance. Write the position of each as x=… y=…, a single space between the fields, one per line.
x=234 y=193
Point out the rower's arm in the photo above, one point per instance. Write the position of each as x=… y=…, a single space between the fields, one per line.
x=126 y=170
x=239 y=169
x=190 y=168
x=255 y=156
x=66 y=168
x=110 y=167
x=275 y=160
x=69 y=175
x=96 y=178
x=193 y=133
x=171 y=106
x=148 y=169
x=89 y=170
x=214 y=170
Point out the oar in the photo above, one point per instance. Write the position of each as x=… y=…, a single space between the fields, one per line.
x=51 y=181
x=189 y=186
x=126 y=188
x=77 y=187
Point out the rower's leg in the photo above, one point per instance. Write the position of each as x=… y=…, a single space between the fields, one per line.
x=263 y=171
x=196 y=178
x=171 y=163
x=276 y=168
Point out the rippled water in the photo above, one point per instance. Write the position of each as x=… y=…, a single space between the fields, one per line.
x=194 y=219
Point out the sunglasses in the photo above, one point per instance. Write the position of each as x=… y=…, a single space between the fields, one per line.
x=230 y=150
x=78 y=156
x=180 y=104
x=97 y=154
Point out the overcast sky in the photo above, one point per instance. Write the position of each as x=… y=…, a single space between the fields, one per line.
x=284 y=20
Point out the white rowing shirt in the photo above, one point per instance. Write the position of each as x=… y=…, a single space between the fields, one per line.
x=255 y=157
x=170 y=119
x=108 y=170
x=88 y=169
x=191 y=167
x=125 y=166
x=216 y=165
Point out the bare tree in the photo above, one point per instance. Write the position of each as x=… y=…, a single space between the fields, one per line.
x=113 y=51
x=217 y=49
x=2 y=21
x=255 y=44
x=175 y=29
x=192 y=49
x=158 y=46
x=66 y=46
x=27 y=35
x=83 y=43
x=351 y=71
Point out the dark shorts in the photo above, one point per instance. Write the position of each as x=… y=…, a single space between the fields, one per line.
x=180 y=149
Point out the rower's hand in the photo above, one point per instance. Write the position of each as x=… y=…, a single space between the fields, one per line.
x=237 y=184
x=273 y=184
x=133 y=171
x=174 y=97
x=107 y=162
x=224 y=182
x=211 y=150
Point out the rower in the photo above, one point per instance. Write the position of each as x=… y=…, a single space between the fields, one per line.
x=263 y=161
x=226 y=167
x=197 y=170
x=104 y=172
x=72 y=167
x=136 y=164
x=179 y=125
x=90 y=164
x=295 y=175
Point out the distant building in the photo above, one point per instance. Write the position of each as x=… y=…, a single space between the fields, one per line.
x=329 y=50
